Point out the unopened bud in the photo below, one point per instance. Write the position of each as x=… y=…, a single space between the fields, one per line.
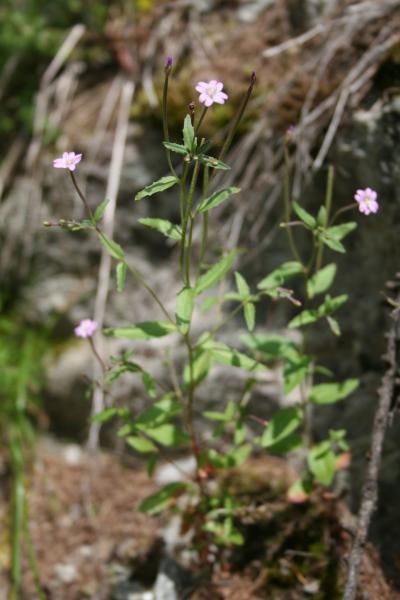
x=168 y=63
x=47 y=224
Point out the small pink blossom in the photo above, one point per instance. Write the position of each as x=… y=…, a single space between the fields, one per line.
x=211 y=92
x=68 y=160
x=86 y=328
x=367 y=201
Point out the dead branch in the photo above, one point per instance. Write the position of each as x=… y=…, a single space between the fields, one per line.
x=370 y=490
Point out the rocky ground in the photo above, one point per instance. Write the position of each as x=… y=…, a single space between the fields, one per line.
x=92 y=543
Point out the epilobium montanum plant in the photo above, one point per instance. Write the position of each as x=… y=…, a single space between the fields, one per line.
x=168 y=422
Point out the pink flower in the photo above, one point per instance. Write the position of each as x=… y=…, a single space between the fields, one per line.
x=211 y=92
x=366 y=200
x=68 y=160
x=86 y=328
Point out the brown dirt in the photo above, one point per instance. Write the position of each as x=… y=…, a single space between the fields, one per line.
x=85 y=523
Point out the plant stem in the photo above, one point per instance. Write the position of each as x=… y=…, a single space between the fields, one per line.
x=203 y=114
x=204 y=225
x=237 y=118
x=286 y=206
x=135 y=272
x=328 y=206
x=186 y=248
x=165 y=118
x=343 y=210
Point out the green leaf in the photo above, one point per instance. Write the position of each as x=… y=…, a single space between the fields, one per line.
x=168 y=435
x=232 y=357
x=334 y=325
x=121 y=276
x=300 y=490
x=280 y=275
x=322 y=217
x=329 y=393
x=157 y=502
x=112 y=247
x=202 y=362
x=215 y=273
x=208 y=303
x=294 y=371
x=242 y=285
x=338 y=232
x=143 y=331
x=212 y=162
x=99 y=212
x=290 y=443
x=331 y=305
x=157 y=186
x=216 y=199
x=109 y=413
x=304 y=318
x=149 y=384
x=304 y=215
x=141 y=444
x=271 y=346
x=322 y=463
x=160 y=413
x=282 y=424
x=249 y=308
x=321 y=281
x=163 y=226
x=226 y=416
x=250 y=315
x=332 y=243
x=184 y=308
x=188 y=133
x=178 y=148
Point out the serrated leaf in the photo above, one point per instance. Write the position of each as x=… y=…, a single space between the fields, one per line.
x=143 y=331
x=157 y=502
x=329 y=393
x=99 y=212
x=280 y=275
x=215 y=273
x=141 y=444
x=163 y=226
x=157 y=186
x=178 y=148
x=216 y=199
x=322 y=463
x=283 y=423
x=304 y=215
x=121 y=276
x=188 y=133
x=321 y=281
x=112 y=247
x=184 y=308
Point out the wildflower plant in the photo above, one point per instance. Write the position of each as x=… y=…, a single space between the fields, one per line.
x=168 y=422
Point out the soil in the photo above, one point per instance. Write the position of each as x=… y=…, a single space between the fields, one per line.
x=88 y=533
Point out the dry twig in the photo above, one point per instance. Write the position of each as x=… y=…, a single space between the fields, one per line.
x=370 y=489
